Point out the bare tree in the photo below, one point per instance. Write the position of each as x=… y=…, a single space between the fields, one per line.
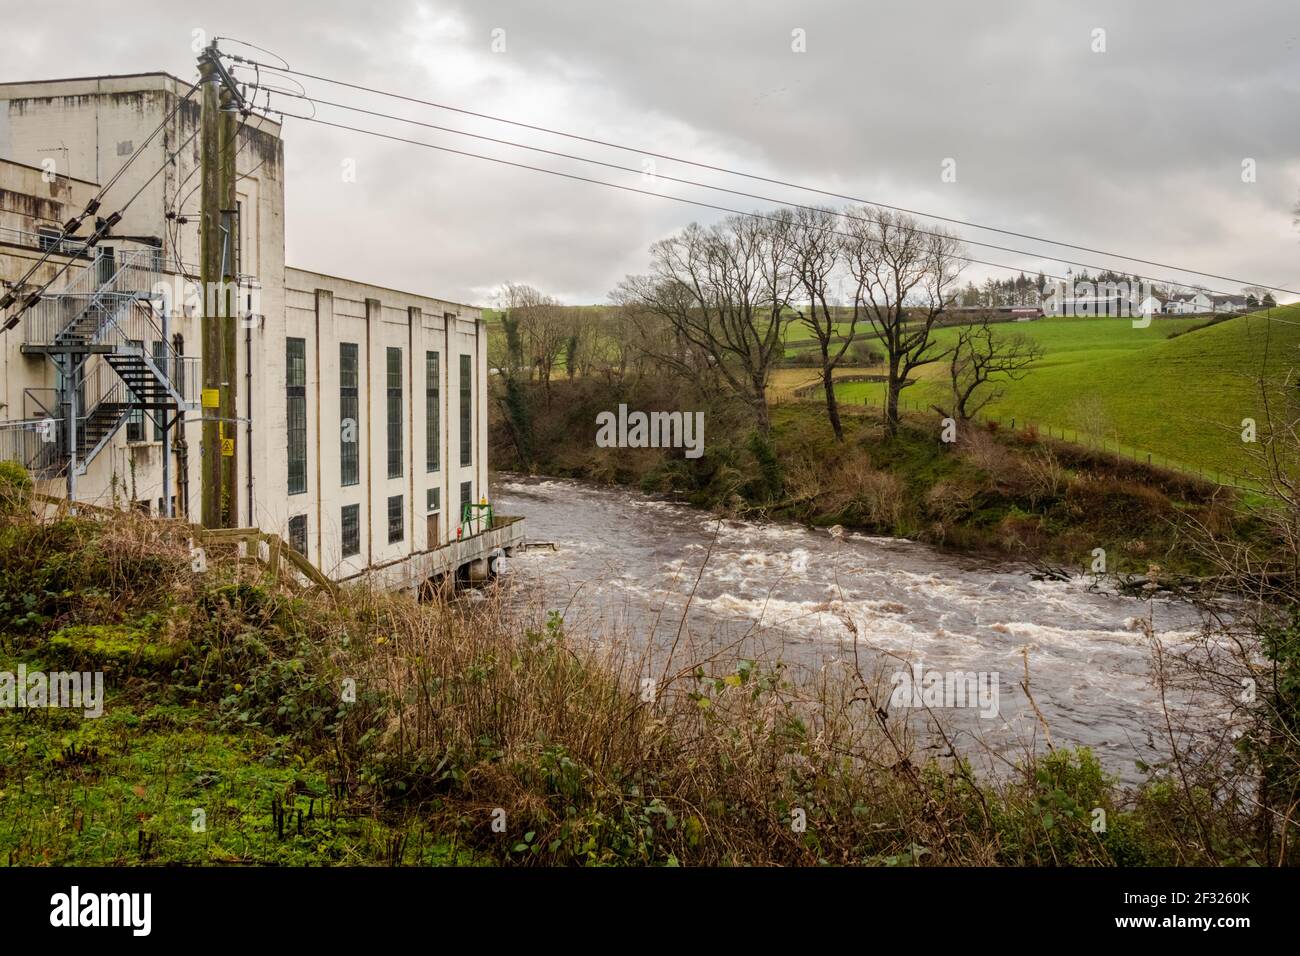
x=903 y=279
x=721 y=290
x=980 y=358
x=544 y=327
x=815 y=257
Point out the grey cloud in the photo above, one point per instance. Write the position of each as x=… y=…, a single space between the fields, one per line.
x=1137 y=149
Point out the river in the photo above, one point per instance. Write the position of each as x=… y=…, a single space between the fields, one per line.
x=625 y=565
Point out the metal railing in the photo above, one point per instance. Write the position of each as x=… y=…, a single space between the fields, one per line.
x=43 y=322
x=136 y=330
x=41 y=403
x=34 y=444
x=475 y=518
x=100 y=385
x=98 y=291
x=44 y=241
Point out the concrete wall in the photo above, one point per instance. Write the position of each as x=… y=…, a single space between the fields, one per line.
x=97 y=122
x=326 y=311
x=88 y=128
x=30 y=199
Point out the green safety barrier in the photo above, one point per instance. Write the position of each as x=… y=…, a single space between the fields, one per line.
x=476 y=518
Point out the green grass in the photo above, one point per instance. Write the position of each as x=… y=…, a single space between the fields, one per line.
x=1180 y=399
x=123 y=789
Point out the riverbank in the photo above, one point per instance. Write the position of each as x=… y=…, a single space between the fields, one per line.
x=641 y=569
x=247 y=722
x=989 y=494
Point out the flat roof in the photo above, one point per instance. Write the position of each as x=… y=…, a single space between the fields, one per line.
x=275 y=126
x=103 y=76
x=383 y=288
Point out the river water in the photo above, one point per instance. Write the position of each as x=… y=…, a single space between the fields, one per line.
x=625 y=565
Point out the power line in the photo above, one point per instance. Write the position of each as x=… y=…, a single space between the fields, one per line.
x=73 y=224
x=602 y=182
x=100 y=233
x=140 y=149
x=756 y=177
x=175 y=208
x=690 y=182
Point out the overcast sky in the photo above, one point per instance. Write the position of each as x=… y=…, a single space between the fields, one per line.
x=1138 y=149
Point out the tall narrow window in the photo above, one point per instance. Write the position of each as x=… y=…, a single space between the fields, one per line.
x=466 y=411
x=349 y=423
x=351 y=530
x=159 y=415
x=295 y=380
x=135 y=423
x=298 y=534
x=432 y=436
x=178 y=363
x=394 y=413
x=396 y=525
x=466 y=496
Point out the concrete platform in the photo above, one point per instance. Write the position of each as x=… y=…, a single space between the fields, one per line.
x=409 y=573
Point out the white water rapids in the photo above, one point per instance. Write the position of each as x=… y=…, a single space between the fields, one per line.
x=625 y=564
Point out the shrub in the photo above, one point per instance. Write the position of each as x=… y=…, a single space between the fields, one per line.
x=951 y=500
x=132 y=648
x=862 y=353
x=15 y=489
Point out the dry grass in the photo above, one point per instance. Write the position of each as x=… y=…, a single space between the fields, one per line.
x=469 y=714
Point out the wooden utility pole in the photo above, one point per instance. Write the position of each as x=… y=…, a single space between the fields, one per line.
x=218 y=235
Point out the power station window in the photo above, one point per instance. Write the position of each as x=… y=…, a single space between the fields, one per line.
x=298 y=534
x=351 y=530
x=396 y=525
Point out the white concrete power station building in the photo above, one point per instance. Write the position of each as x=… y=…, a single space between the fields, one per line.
x=360 y=432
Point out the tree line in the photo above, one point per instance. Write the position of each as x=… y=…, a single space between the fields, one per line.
x=717 y=302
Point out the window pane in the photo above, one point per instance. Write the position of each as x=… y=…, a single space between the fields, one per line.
x=432 y=435
x=351 y=530
x=159 y=415
x=135 y=424
x=466 y=412
x=296 y=408
x=349 y=422
x=298 y=534
x=396 y=530
x=394 y=413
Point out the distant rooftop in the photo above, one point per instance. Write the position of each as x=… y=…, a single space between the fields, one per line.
x=12 y=89
x=105 y=76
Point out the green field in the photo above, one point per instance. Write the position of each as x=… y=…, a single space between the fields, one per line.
x=1181 y=399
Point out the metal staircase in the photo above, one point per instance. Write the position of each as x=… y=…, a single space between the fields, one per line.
x=107 y=340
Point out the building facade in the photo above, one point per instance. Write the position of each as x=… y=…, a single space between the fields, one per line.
x=361 y=412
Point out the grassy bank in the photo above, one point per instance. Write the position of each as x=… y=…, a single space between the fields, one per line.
x=1178 y=389
x=1019 y=495
x=474 y=736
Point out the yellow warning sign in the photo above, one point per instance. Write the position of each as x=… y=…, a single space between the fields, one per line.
x=227 y=447
x=211 y=398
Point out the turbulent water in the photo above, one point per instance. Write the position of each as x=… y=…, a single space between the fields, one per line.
x=625 y=566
